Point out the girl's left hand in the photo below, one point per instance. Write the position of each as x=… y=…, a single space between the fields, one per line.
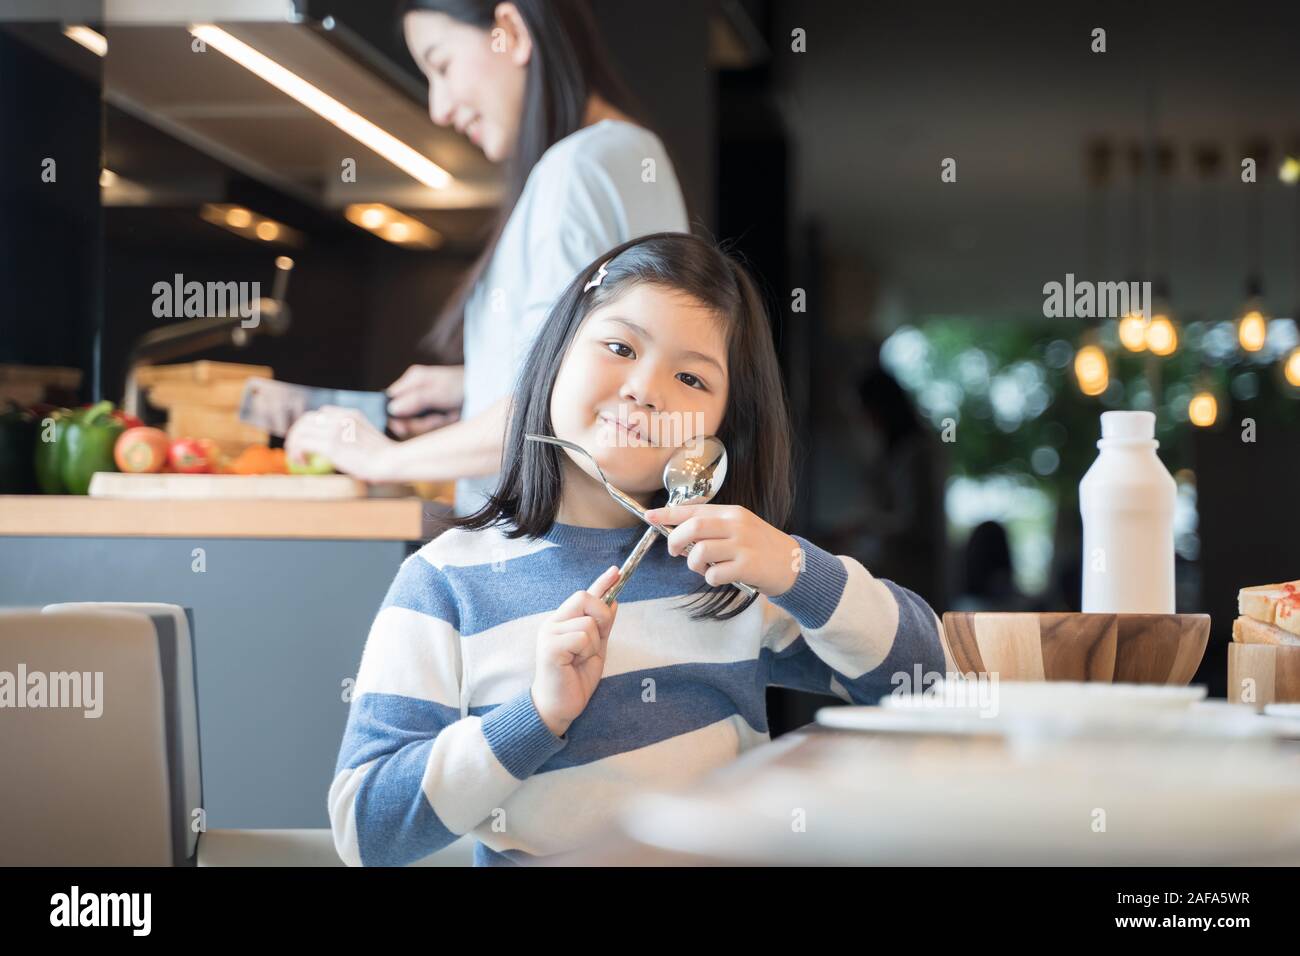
x=344 y=436
x=739 y=544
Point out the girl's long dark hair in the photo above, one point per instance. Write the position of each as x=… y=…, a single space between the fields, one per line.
x=567 y=65
x=755 y=426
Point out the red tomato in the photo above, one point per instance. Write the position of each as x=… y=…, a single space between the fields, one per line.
x=212 y=451
x=141 y=450
x=189 y=457
x=130 y=421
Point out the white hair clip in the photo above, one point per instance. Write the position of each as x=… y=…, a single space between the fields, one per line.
x=597 y=278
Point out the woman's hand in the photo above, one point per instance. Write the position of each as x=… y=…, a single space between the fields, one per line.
x=344 y=436
x=571 y=654
x=422 y=388
x=738 y=544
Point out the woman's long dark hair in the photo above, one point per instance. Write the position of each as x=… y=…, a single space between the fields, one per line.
x=567 y=65
x=755 y=426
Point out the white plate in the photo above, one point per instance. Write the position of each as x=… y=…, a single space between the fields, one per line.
x=901 y=721
x=1031 y=698
x=1204 y=720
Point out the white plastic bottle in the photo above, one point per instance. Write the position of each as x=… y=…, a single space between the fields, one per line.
x=1127 y=503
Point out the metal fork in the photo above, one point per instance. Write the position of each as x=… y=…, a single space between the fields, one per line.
x=632 y=505
x=628 y=502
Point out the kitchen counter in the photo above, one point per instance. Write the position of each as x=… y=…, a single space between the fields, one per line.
x=375 y=519
x=283 y=593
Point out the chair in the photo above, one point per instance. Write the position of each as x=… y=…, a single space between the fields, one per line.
x=120 y=789
x=79 y=789
x=174 y=627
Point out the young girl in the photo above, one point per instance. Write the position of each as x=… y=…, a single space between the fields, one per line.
x=499 y=695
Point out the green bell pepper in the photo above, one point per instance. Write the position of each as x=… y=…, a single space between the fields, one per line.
x=88 y=444
x=49 y=451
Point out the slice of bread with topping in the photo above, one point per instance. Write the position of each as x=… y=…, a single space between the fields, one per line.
x=1247 y=630
x=1275 y=604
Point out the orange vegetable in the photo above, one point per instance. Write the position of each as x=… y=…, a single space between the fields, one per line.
x=141 y=450
x=260 y=460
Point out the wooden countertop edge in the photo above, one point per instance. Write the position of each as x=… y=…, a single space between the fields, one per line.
x=370 y=519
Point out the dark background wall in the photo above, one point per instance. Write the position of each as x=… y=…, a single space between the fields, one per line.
x=50 y=232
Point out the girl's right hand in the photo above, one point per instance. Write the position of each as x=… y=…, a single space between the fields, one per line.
x=438 y=389
x=571 y=654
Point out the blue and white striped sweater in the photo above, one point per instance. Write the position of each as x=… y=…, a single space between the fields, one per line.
x=443 y=739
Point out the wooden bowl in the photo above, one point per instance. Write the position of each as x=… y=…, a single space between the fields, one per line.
x=1116 y=648
x=1260 y=674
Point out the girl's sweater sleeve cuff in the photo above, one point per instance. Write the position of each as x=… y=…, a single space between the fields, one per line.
x=519 y=737
x=817 y=588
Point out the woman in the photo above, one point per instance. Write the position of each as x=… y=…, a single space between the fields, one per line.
x=528 y=83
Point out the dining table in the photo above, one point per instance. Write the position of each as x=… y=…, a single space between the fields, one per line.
x=732 y=825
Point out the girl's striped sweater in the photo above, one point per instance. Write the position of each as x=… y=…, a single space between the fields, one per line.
x=443 y=739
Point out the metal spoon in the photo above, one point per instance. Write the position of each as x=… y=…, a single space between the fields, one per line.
x=693 y=475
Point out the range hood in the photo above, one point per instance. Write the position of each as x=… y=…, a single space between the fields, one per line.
x=209 y=101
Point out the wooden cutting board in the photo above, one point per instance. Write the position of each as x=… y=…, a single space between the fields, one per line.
x=201 y=372
x=109 y=484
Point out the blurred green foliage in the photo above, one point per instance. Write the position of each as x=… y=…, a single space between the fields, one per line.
x=1010 y=387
